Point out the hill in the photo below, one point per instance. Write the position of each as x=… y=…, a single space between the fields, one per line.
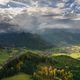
x=61 y=37
x=29 y=62
x=20 y=76
x=14 y=39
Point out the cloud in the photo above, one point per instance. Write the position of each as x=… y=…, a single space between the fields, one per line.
x=34 y=19
x=32 y=23
x=4 y=1
x=37 y=19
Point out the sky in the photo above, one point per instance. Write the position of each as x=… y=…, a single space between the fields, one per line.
x=33 y=20
x=4 y=1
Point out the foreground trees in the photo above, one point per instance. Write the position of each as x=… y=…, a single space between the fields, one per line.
x=51 y=73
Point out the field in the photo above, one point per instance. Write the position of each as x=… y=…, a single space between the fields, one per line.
x=20 y=76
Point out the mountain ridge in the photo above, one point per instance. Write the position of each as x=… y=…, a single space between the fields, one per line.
x=28 y=40
x=61 y=37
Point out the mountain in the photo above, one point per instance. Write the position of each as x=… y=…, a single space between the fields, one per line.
x=31 y=41
x=61 y=37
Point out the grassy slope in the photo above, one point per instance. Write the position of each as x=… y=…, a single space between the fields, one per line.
x=3 y=58
x=73 y=55
x=20 y=76
x=63 y=61
x=68 y=63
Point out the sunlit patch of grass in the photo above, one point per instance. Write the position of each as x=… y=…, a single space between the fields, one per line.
x=58 y=54
x=3 y=58
x=75 y=55
x=20 y=76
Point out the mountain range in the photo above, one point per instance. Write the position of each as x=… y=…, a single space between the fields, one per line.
x=42 y=39
x=61 y=37
x=22 y=40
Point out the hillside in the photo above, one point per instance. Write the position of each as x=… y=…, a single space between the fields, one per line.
x=30 y=62
x=61 y=37
x=14 y=39
x=20 y=76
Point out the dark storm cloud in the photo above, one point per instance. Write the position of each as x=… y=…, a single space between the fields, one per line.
x=6 y=27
